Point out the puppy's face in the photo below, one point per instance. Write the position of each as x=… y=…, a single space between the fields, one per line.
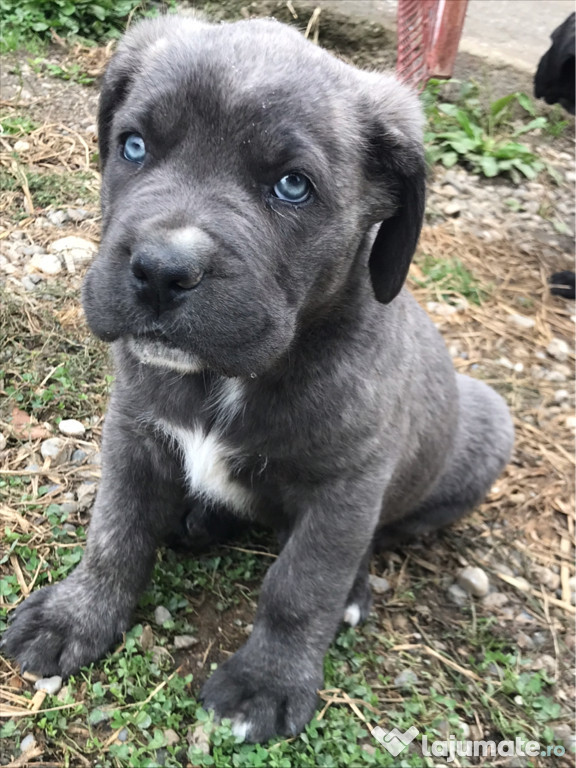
x=243 y=169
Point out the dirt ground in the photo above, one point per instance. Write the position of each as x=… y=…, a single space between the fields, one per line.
x=521 y=537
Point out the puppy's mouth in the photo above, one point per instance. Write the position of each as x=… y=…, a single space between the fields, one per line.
x=153 y=350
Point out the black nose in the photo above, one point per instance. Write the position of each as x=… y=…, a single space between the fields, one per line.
x=163 y=277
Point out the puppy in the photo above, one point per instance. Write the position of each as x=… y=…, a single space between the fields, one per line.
x=261 y=203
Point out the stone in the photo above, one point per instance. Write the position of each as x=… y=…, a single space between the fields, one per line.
x=75 y=251
x=558 y=349
x=522 y=322
x=406 y=678
x=197 y=737
x=162 y=615
x=181 y=642
x=77 y=214
x=72 y=428
x=78 y=456
x=379 y=584
x=27 y=744
x=441 y=309
x=547 y=577
x=21 y=146
x=147 y=638
x=452 y=208
x=57 y=217
x=3 y=441
x=54 y=448
x=50 y=685
x=561 y=395
x=171 y=737
x=48 y=263
x=495 y=600
x=474 y=581
x=457 y=595
x=85 y=494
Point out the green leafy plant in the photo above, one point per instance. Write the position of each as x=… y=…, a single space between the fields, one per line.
x=94 y=20
x=483 y=136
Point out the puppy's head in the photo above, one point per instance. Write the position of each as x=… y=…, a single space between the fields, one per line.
x=244 y=171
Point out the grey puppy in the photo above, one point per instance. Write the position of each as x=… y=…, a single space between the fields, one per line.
x=261 y=203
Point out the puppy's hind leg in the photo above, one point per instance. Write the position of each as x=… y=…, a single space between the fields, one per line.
x=482 y=449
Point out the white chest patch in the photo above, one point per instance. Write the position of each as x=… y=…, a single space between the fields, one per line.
x=207 y=465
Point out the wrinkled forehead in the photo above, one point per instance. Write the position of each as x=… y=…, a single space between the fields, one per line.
x=247 y=78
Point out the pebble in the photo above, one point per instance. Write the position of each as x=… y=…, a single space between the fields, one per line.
x=566 y=736
x=161 y=615
x=558 y=349
x=123 y=735
x=48 y=263
x=85 y=494
x=520 y=321
x=197 y=737
x=72 y=428
x=76 y=251
x=561 y=395
x=54 y=448
x=147 y=638
x=77 y=214
x=57 y=217
x=474 y=581
x=441 y=309
x=78 y=456
x=3 y=441
x=51 y=685
x=547 y=577
x=571 y=422
x=182 y=642
x=457 y=595
x=27 y=743
x=406 y=678
x=171 y=737
x=452 y=208
x=495 y=600
x=379 y=584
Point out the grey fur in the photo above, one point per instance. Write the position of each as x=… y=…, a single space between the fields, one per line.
x=344 y=426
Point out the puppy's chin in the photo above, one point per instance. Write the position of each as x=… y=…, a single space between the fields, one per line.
x=153 y=352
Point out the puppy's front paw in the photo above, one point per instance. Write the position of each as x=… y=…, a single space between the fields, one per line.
x=262 y=700
x=59 y=629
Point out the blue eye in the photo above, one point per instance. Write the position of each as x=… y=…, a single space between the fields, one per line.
x=293 y=188
x=134 y=148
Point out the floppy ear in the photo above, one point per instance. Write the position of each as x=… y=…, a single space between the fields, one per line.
x=396 y=168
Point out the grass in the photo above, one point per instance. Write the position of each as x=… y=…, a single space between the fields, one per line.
x=47 y=188
x=450 y=279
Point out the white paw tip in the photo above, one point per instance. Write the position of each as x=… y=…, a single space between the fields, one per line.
x=240 y=729
x=352 y=614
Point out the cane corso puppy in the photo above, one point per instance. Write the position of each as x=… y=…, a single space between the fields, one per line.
x=261 y=203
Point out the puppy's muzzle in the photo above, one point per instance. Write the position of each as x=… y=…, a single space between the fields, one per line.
x=167 y=269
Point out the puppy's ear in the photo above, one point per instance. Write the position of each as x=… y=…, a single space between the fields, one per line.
x=396 y=170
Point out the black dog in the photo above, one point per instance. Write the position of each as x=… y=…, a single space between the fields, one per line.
x=262 y=201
